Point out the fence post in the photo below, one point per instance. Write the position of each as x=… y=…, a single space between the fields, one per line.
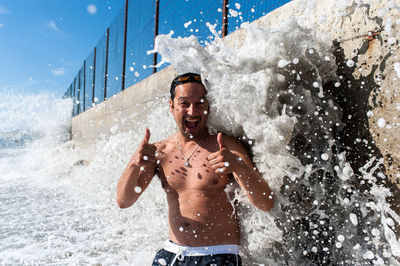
x=156 y=33
x=84 y=85
x=125 y=33
x=74 y=113
x=94 y=75
x=225 y=18
x=106 y=66
x=79 y=92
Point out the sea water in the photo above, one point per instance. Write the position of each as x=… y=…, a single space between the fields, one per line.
x=56 y=208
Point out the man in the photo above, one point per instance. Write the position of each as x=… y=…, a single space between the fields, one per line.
x=194 y=168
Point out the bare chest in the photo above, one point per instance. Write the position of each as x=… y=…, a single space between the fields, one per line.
x=178 y=173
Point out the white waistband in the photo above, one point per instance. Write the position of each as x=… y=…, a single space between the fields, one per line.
x=201 y=251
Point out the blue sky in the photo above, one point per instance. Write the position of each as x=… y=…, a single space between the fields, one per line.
x=43 y=42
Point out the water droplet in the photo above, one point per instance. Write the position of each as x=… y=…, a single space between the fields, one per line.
x=392 y=40
x=369 y=255
x=350 y=63
x=381 y=122
x=162 y=261
x=138 y=189
x=375 y=232
x=353 y=218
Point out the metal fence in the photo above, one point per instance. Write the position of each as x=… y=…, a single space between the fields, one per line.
x=120 y=57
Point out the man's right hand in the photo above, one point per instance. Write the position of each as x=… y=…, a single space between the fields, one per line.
x=137 y=174
x=145 y=155
x=146 y=152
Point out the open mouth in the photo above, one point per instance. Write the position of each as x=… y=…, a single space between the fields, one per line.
x=191 y=124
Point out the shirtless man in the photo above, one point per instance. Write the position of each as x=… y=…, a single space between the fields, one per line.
x=194 y=168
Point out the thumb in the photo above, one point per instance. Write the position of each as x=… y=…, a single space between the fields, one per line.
x=146 y=136
x=220 y=141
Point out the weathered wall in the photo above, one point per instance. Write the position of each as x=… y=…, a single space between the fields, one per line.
x=117 y=114
x=369 y=95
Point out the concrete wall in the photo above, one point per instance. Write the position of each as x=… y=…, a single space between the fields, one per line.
x=370 y=101
x=114 y=114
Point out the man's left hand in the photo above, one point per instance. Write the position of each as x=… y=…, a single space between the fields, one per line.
x=223 y=161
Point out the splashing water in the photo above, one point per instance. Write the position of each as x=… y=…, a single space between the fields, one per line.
x=270 y=92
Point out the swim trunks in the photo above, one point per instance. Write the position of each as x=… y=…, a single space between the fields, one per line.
x=176 y=255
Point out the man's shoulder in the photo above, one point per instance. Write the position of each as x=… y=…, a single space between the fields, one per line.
x=164 y=143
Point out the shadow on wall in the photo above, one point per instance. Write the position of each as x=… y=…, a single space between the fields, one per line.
x=353 y=98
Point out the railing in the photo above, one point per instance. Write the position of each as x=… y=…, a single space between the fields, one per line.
x=120 y=58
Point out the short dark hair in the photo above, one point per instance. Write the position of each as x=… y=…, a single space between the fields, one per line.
x=182 y=79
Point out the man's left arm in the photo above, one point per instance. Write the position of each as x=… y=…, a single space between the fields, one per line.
x=233 y=158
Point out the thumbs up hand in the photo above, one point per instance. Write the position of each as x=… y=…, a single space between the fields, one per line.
x=146 y=152
x=220 y=141
x=223 y=161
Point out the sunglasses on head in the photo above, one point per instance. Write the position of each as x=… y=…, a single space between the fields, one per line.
x=190 y=76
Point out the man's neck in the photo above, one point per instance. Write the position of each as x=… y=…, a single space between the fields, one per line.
x=184 y=140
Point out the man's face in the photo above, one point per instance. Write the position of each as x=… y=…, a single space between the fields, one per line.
x=190 y=109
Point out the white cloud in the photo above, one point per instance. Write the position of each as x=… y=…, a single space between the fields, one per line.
x=58 y=72
x=91 y=9
x=1 y=25
x=53 y=26
x=4 y=10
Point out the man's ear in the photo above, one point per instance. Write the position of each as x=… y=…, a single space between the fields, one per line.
x=171 y=105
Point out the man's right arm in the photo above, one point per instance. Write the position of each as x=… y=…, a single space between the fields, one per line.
x=137 y=174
